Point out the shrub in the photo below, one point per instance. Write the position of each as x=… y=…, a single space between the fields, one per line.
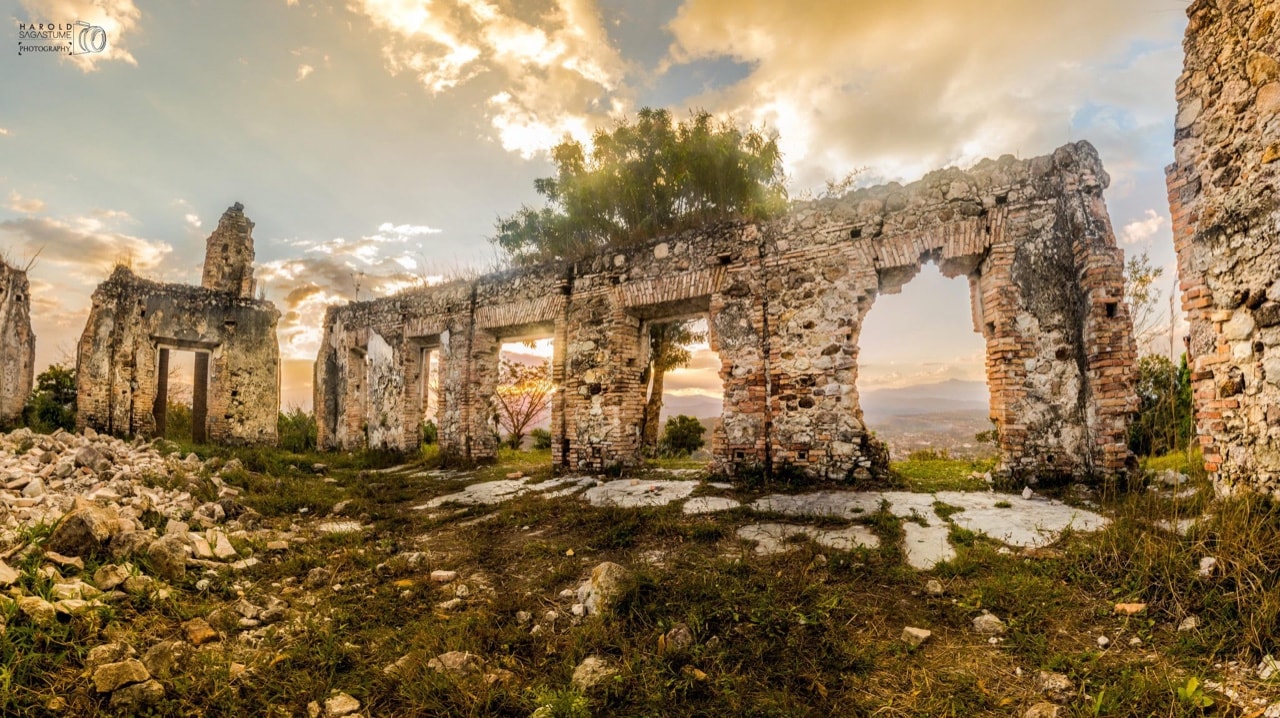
x=541 y=439
x=52 y=405
x=430 y=434
x=297 y=430
x=682 y=436
x=178 y=421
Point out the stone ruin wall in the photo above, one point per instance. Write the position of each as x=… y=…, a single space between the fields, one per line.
x=135 y=323
x=785 y=302
x=18 y=346
x=1225 y=203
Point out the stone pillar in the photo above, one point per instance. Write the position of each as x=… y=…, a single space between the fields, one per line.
x=17 y=350
x=161 y=411
x=200 y=399
x=228 y=259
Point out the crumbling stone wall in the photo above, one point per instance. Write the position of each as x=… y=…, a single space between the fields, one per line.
x=228 y=255
x=1226 y=222
x=18 y=346
x=785 y=302
x=134 y=324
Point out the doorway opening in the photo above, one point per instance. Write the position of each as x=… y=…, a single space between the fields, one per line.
x=524 y=392
x=684 y=395
x=181 y=409
x=922 y=371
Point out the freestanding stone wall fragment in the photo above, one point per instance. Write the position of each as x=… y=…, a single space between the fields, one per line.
x=17 y=343
x=123 y=356
x=785 y=302
x=1224 y=194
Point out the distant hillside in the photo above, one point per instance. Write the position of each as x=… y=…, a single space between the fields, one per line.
x=951 y=396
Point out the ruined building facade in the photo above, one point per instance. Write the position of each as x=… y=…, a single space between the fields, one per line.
x=135 y=324
x=17 y=343
x=785 y=302
x=1224 y=194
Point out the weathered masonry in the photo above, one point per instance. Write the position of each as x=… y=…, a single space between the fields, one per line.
x=1224 y=193
x=123 y=357
x=18 y=346
x=785 y=302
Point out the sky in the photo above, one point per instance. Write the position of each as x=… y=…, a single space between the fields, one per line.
x=375 y=142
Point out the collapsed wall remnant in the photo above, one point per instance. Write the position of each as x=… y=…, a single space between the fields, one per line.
x=1224 y=196
x=785 y=301
x=122 y=369
x=18 y=348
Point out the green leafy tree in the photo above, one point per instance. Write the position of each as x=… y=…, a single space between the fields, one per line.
x=1163 y=423
x=667 y=350
x=642 y=179
x=682 y=435
x=1143 y=298
x=297 y=430
x=52 y=404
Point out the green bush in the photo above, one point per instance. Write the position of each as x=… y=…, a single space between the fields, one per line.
x=178 y=421
x=541 y=439
x=681 y=436
x=430 y=434
x=52 y=405
x=297 y=430
x=1163 y=423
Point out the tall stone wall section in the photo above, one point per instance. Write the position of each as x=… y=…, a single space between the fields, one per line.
x=785 y=302
x=17 y=343
x=1225 y=203
x=228 y=255
x=134 y=324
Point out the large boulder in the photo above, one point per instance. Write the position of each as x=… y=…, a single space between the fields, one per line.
x=604 y=587
x=168 y=557
x=86 y=530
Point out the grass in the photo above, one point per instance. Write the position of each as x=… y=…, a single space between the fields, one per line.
x=932 y=472
x=810 y=632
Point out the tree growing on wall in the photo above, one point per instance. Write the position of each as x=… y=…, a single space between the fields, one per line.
x=522 y=397
x=643 y=179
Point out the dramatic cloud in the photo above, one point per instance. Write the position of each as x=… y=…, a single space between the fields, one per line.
x=119 y=18
x=25 y=205
x=1143 y=230
x=907 y=86
x=557 y=72
x=83 y=247
x=338 y=271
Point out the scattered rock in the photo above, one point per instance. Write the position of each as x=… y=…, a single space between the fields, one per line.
x=107 y=653
x=1055 y=685
x=8 y=574
x=603 y=588
x=199 y=632
x=168 y=557
x=1043 y=710
x=41 y=612
x=989 y=624
x=86 y=530
x=914 y=637
x=1207 y=566
x=1130 y=609
x=456 y=663
x=933 y=587
x=65 y=561
x=340 y=705
x=110 y=676
x=1103 y=641
x=130 y=699
x=166 y=657
x=1269 y=668
x=1190 y=623
x=677 y=639
x=444 y=576
x=593 y=671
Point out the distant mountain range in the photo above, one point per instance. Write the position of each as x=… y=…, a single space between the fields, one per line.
x=953 y=395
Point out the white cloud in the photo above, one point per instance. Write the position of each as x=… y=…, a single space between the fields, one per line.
x=119 y=18
x=4 y=132
x=912 y=85
x=558 y=74
x=82 y=248
x=25 y=205
x=304 y=70
x=1143 y=230
x=192 y=220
